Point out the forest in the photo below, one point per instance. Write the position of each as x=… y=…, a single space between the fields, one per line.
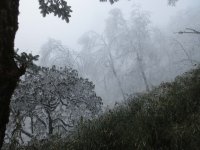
x=132 y=85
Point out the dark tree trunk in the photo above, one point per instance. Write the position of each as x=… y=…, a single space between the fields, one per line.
x=50 y=132
x=32 y=128
x=9 y=72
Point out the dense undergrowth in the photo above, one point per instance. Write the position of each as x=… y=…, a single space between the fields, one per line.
x=167 y=118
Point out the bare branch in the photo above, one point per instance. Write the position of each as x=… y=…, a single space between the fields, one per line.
x=189 y=31
x=26 y=133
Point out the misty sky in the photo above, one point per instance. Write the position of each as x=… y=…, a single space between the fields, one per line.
x=34 y=30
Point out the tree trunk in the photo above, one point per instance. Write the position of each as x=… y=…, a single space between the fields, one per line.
x=139 y=59
x=9 y=72
x=115 y=75
x=32 y=127
x=50 y=132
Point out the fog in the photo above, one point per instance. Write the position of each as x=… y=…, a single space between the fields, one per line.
x=143 y=51
x=34 y=30
x=120 y=76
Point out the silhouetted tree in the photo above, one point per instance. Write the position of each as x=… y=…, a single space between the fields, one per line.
x=9 y=70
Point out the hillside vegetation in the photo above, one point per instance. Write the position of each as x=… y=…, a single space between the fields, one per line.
x=166 y=118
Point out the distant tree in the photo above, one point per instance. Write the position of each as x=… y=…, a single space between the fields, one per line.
x=53 y=52
x=130 y=39
x=103 y=49
x=114 y=29
x=98 y=49
x=138 y=34
x=125 y=47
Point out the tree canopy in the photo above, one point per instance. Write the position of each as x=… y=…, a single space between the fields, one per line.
x=50 y=101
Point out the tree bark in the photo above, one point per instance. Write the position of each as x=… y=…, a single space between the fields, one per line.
x=50 y=122
x=32 y=127
x=9 y=71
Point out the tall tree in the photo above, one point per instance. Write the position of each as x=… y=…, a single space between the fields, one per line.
x=122 y=49
x=98 y=54
x=138 y=37
x=10 y=72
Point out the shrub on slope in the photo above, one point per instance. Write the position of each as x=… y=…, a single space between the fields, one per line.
x=166 y=118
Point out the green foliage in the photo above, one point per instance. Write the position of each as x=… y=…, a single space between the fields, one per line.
x=25 y=59
x=57 y=7
x=166 y=118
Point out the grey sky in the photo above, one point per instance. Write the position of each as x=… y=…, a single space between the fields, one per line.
x=34 y=30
